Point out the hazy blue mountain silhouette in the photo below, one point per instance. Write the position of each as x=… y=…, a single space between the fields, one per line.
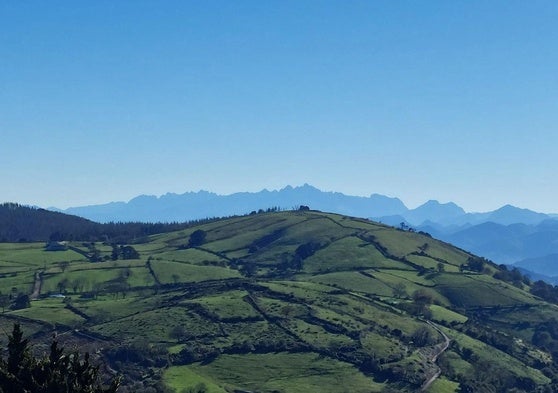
x=452 y=217
x=203 y=204
x=434 y=211
x=508 y=214
x=547 y=263
x=535 y=276
x=500 y=243
x=509 y=243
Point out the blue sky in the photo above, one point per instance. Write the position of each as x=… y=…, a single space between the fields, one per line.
x=450 y=100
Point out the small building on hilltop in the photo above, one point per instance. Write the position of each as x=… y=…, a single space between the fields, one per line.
x=56 y=246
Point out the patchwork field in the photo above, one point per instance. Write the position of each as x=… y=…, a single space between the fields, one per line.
x=281 y=302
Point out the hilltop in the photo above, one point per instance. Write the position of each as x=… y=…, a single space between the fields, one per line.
x=519 y=234
x=294 y=301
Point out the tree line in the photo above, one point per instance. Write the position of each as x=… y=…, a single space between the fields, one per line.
x=28 y=224
x=20 y=223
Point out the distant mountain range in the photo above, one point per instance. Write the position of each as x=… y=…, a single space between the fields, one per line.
x=203 y=204
x=508 y=235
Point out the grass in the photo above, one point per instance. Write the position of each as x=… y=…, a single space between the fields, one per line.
x=345 y=254
x=242 y=233
x=156 y=325
x=442 y=385
x=175 y=349
x=285 y=372
x=370 y=313
x=354 y=281
x=33 y=254
x=392 y=278
x=496 y=357
x=447 y=252
x=179 y=378
x=191 y=255
x=464 y=290
x=412 y=276
x=228 y=305
x=459 y=365
x=442 y=314
x=50 y=310
x=173 y=272
x=316 y=335
x=90 y=277
x=280 y=308
x=108 y=307
x=22 y=282
x=400 y=244
x=248 y=332
x=382 y=347
x=356 y=223
x=432 y=264
x=301 y=289
x=336 y=312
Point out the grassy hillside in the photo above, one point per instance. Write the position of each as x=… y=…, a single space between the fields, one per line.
x=287 y=302
x=28 y=224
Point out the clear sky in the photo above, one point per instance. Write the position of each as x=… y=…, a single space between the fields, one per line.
x=450 y=100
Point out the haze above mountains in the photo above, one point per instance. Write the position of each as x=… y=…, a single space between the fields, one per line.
x=508 y=235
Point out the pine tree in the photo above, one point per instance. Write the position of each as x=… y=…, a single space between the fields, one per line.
x=56 y=373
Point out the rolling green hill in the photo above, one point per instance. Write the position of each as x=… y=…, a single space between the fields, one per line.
x=299 y=301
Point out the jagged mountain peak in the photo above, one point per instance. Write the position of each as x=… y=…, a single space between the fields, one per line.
x=434 y=211
x=203 y=204
x=509 y=214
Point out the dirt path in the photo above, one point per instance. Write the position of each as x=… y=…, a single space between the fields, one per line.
x=441 y=349
x=37 y=285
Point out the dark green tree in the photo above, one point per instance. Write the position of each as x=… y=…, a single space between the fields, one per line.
x=197 y=238
x=63 y=265
x=115 y=252
x=58 y=372
x=4 y=301
x=476 y=264
x=129 y=252
x=422 y=336
x=21 y=301
x=400 y=290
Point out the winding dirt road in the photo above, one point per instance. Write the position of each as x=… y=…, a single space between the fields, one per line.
x=442 y=348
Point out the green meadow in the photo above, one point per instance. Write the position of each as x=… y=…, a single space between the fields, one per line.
x=282 y=302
